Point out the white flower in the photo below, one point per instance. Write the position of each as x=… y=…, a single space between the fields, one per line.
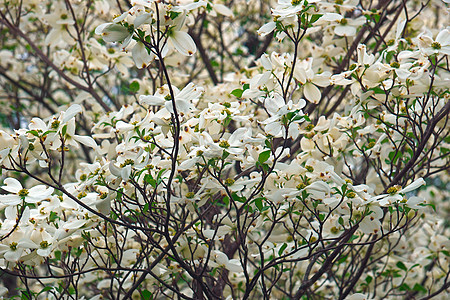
x=20 y=194
x=233 y=265
x=395 y=191
x=6 y=140
x=288 y=8
x=183 y=99
x=358 y=296
x=413 y=186
x=371 y=224
x=141 y=56
x=178 y=39
x=348 y=27
x=112 y=32
x=267 y=28
x=310 y=81
x=11 y=252
x=283 y=194
x=183 y=42
x=440 y=45
x=40 y=240
x=277 y=108
x=414 y=202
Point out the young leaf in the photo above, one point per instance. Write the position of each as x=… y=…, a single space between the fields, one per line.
x=264 y=156
x=237 y=93
x=134 y=87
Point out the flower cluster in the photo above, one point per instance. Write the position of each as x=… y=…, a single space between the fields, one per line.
x=314 y=165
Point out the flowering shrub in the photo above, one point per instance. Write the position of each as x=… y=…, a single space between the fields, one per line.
x=225 y=150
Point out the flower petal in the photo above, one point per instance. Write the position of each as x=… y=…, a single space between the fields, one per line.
x=183 y=42
x=115 y=33
x=322 y=80
x=144 y=18
x=85 y=140
x=12 y=185
x=151 y=100
x=443 y=37
x=345 y=30
x=223 y=10
x=71 y=112
x=312 y=93
x=267 y=28
x=141 y=56
x=413 y=186
x=10 y=199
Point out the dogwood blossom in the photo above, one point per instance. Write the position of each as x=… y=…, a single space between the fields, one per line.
x=173 y=150
x=19 y=194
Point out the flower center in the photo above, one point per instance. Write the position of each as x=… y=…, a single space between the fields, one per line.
x=392 y=190
x=229 y=181
x=55 y=124
x=334 y=230
x=301 y=186
x=224 y=144
x=23 y=193
x=309 y=127
x=13 y=246
x=436 y=45
x=127 y=162
x=44 y=244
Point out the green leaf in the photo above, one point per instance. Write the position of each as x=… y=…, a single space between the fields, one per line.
x=53 y=216
x=26 y=295
x=149 y=179
x=237 y=198
x=64 y=130
x=226 y=200
x=45 y=289
x=376 y=18
x=34 y=132
x=342 y=259
x=404 y=287
x=146 y=208
x=419 y=288
x=158 y=177
x=225 y=154
x=174 y=14
x=146 y=295
x=280 y=252
x=134 y=87
x=237 y=93
x=314 y=18
x=258 y=203
x=264 y=156
x=401 y=266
